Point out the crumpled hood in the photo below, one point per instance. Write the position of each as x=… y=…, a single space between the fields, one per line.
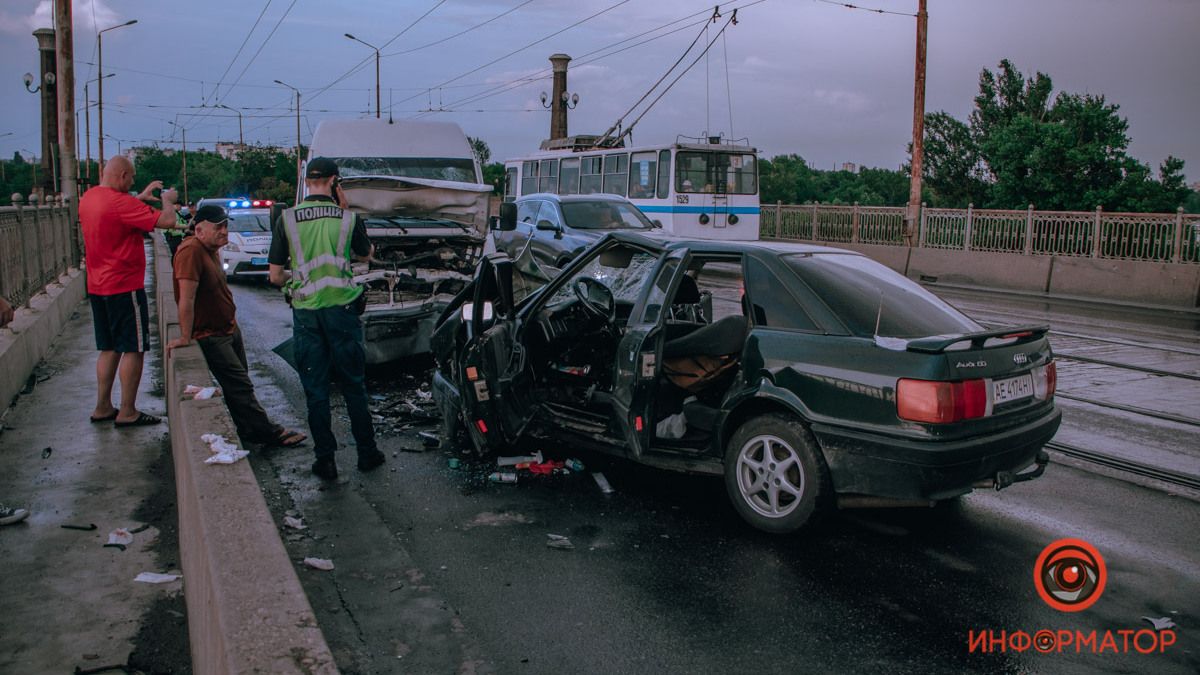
x=465 y=203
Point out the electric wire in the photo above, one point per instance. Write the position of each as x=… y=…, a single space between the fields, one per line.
x=865 y=9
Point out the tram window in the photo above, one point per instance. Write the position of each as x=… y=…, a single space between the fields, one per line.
x=616 y=169
x=643 y=170
x=590 y=178
x=548 y=178
x=716 y=172
x=510 y=184
x=568 y=177
x=529 y=176
x=664 y=173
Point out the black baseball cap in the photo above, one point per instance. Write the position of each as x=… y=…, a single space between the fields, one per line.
x=321 y=167
x=210 y=213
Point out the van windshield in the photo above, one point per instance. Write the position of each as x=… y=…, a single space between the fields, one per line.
x=433 y=168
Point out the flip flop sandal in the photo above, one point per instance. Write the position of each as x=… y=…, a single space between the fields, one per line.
x=288 y=439
x=143 y=420
x=107 y=418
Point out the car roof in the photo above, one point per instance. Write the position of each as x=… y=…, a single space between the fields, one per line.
x=670 y=243
x=593 y=197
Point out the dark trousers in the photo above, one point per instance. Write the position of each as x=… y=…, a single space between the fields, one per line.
x=226 y=358
x=329 y=342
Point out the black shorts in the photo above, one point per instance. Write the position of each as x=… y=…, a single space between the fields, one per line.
x=121 y=322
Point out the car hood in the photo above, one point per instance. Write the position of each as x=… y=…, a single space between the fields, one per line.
x=391 y=196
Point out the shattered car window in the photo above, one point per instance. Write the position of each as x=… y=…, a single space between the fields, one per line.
x=624 y=270
x=433 y=168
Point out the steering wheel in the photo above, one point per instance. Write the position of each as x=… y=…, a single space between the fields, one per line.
x=595 y=298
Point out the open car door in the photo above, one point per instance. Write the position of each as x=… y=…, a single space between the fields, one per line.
x=494 y=371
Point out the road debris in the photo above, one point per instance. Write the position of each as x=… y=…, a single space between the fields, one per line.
x=453 y=463
x=319 y=564
x=429 y=439
x=559 y=542
x=120 y=537
x=602 y=483
x=46 y=452
x=156 y=578
x=223 y=451
x=573 y=464
x=199 y=393
x=85 y=528
x=503 y=477
x=535 y=458
x=294 y=523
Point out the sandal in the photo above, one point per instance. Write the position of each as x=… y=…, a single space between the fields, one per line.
x=143 y=420
x=286 y=438
x=107 y=418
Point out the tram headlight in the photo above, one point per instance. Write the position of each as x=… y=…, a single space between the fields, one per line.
x=703 y=218
x=733 y=219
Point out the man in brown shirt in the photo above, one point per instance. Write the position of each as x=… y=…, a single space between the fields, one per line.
x=206 y=315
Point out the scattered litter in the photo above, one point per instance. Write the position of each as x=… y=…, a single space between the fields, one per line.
x=86 y=528
x=503 y=477
x=602 y=483
x=121 y=537
x=429 y=439
x=573 y=464
x=396 y=588
x=223 y=451
x=319 y=563
x=535 y=458
x=544 y=468
x=116 y=546
x=156 y=578
x=674 y=426
x=140 y=528
x=453 y=463
x=46 y=452
x=294 y=523
x=1160 y=624
x=201 y=393
x=557 y=541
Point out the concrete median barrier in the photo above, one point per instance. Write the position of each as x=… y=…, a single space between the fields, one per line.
x=246 y=609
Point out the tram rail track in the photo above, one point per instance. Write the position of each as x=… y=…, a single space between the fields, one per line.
x=1180 y=419
x=1126 y=465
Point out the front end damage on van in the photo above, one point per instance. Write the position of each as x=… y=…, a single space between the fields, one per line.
x=428 y=235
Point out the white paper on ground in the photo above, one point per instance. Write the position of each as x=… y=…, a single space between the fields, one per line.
x=120 y=536
x=294 y=523
x=156 y=578
x=319 y=563
x=223 y=451
x=201 y=393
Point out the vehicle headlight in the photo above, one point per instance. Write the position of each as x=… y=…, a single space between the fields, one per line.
x=232 y=248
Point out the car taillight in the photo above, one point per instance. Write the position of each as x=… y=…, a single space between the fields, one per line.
x=1045 y=381
x=941 y=402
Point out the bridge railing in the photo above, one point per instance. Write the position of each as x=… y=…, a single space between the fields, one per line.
x=37 y=245
x=1152 y=237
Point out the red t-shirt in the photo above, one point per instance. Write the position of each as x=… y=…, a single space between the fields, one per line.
x=113 y=223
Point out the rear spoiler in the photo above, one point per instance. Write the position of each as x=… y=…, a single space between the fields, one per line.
x=939 y=343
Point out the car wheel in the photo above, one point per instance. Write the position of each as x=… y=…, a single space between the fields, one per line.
x=562 y=262
x=775 y=474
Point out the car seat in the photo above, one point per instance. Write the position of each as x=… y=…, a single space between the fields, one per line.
x=706 y=358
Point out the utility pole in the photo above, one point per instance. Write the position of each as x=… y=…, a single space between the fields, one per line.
x=48 y=77
x=64 y=39
x=184 y=130
x=299 y=174
x=100 y=83
x=241 y=141
x=911 y=218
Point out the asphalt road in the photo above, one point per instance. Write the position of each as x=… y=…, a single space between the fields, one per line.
x=439 y=571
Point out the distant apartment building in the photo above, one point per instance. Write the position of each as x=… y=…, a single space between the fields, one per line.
x=228 y=150
x=850 y=166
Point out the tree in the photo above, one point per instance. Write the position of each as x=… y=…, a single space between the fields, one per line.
x=480 y=147
x=953 y=170
x=493 y=174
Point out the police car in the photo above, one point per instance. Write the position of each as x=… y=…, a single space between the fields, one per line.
x=249 y=235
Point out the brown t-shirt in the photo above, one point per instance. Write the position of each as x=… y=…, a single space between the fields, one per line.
x=214 y=307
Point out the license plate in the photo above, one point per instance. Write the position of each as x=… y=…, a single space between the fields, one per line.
x=258 y=261
x=1012 y=389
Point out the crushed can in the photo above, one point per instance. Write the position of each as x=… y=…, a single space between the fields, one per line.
x=503 y=477
x=573 y=464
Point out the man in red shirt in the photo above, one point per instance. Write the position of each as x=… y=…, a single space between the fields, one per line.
x=114 y=222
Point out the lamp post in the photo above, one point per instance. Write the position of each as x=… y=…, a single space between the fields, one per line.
x=377 y=113
x=299 y=176
x=241 y=142
x=100 y=82
x=184 y=130
x=87 y=124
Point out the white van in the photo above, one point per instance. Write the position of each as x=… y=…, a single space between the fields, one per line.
x=420 y=190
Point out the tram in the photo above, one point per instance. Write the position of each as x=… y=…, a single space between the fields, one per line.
x=703 y=188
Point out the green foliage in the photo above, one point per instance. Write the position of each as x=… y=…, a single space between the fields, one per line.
x=789 y=179
x=1022 y=148
x=480 y=147
x=493 y=174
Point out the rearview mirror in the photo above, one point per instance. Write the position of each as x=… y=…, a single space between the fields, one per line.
x=508 y=217
x=657 y=223
x=547 y=226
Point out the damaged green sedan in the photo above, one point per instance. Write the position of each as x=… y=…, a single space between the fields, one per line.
x=811 y=378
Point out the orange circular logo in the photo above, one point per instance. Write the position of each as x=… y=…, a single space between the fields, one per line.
x=1070 y=575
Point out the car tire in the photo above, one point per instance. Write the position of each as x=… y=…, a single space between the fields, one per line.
x=562 y=262
x=776 y=476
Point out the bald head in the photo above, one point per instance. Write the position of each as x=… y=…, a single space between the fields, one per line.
x=118 y=174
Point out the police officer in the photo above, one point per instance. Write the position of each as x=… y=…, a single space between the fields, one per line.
x=315 y=241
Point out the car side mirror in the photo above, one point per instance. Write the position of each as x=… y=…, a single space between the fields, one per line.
x=656 y=223
x=508 y=217
x=547 y=226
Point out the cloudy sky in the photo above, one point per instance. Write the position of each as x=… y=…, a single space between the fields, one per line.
x=793 y=76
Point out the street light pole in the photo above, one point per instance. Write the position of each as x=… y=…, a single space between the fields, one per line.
x=241 y=141
x=299 y=175
x=377 y=107
x=100 y=78
x=184 y=130
x=87 y=123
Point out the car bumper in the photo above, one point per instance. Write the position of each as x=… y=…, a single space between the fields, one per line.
x=882 y=466
x=244 y=264
x=391 y=334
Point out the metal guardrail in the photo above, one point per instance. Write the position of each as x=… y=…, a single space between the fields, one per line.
x=37 y=245
x=1152 y=237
